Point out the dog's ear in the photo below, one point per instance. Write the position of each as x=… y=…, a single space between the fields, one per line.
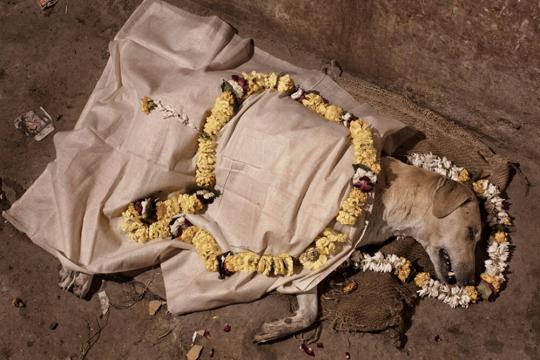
x=448 y=196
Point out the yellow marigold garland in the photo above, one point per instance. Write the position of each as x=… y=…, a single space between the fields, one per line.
x=167 y=220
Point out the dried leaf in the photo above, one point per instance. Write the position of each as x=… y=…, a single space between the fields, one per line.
x=349 y=287
x=194 y=352
x=154 y=306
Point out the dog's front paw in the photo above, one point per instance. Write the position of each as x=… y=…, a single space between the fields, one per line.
x=271 y=331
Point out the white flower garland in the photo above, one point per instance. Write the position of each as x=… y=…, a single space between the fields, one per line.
x=498 y=245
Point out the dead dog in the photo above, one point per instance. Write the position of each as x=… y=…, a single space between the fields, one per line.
x=441 y=214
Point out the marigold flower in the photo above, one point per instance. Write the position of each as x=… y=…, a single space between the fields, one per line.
x=351 y=207
x=312 y=259
x=480 y=186
x=312 y=101
x=285 y=84
x=404 y=271
x=472 y=293
x=463 y=176
x=188 y=234
x=333 y=113
x=500 y=237
x=422 y=279
x=494 y=281
x=147 y=105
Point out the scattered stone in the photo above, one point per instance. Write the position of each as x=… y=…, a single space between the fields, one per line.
x=320 y=345
x=227 y=328
x=18 y=302
x=53 y=325
x=347 y=355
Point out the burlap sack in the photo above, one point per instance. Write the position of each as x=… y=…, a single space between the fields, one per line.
x=439 y=135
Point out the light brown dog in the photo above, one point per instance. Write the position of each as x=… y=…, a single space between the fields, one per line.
x=441 y=214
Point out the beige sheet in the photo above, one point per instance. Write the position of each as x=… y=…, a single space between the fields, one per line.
x=282 y=170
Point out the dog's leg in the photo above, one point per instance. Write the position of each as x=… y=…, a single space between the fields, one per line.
x=307 y=313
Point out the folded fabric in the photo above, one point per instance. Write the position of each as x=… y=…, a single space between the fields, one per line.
x=282 y=171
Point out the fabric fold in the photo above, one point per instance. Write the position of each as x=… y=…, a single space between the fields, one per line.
x=281 y=170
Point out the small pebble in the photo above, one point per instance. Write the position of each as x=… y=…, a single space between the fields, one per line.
x=320 y=345
x=18 y=302
x=347 y=355
x=53 y=325
x=227 y=328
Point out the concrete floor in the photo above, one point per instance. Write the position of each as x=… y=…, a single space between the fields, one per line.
x=54 y=61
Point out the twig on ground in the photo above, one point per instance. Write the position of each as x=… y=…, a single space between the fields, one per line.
x=134 y=299
x=93 y=337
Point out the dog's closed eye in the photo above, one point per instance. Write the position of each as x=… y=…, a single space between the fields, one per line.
x=472 y=233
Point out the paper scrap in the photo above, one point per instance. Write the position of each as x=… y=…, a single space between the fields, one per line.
x=104 y=302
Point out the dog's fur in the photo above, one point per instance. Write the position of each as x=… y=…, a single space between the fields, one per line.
x=442 y=215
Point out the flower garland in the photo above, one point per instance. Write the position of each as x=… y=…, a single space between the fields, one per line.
x=148 y=105
x=149 y=218
x=498 y=244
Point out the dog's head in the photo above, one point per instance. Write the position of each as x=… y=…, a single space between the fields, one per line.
x=451 y=231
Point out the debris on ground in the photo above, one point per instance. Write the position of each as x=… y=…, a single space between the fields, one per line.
x=93 y=335
x=17 y=302
x=199 y=333
x=349 y=287
x=347 y=355
x=154 y=306
x=227 y=328
x=37 y=124
x=194 y=352
x=309 y=351
x=53 y=325
x=104 y=302
x=320 y=345
x=46 y=4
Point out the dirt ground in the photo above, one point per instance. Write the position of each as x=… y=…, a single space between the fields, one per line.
x=54 y=61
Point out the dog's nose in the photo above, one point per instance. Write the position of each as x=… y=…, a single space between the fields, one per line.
x=469 y=280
